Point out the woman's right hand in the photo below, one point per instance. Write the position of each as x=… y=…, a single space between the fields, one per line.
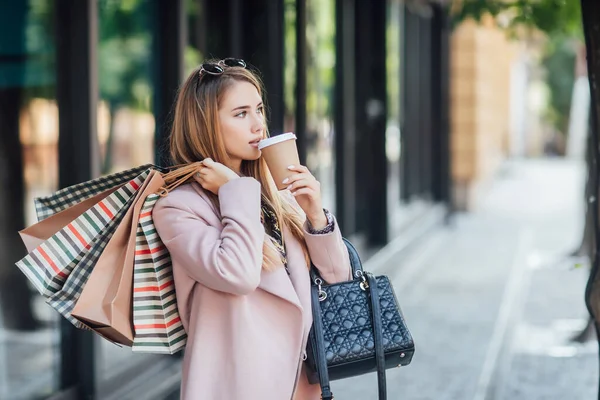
x=212 y=175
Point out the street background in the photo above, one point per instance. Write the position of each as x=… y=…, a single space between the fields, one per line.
x=493 y=300
x=451 y=139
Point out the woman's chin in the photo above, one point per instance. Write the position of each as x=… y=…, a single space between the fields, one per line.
x=255 y=155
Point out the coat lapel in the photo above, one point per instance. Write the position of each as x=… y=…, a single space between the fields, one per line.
x=278 y=282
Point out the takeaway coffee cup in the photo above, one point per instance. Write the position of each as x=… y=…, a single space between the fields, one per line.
x=280 y=152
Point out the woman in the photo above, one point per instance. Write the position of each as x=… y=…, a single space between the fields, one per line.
x=240 y=249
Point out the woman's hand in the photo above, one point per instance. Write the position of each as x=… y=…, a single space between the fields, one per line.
x=307 y=191
x=212 y=175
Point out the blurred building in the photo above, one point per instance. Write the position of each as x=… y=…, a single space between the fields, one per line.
x=485 y=83
x=87 y=86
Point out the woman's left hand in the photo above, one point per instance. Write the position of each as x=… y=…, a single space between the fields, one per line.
x=307 y=191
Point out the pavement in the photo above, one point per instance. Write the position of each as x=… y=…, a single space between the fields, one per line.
x=492 y=300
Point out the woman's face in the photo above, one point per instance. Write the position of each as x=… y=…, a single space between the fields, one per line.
x=242 y=122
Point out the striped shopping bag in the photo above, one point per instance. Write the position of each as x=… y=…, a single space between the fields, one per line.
x=157 y=326
x=60 y=266
x=75 y=194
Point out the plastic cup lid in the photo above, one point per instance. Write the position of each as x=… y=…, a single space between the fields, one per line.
x=275 y=139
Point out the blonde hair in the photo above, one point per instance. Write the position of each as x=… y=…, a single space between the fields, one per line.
x=196 y=134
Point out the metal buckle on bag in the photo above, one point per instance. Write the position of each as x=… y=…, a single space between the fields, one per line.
x=322 y=294
x=364 y=284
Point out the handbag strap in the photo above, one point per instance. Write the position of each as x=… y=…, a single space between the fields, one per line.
x=321 y=358
x=377 y=335
x=320 y=346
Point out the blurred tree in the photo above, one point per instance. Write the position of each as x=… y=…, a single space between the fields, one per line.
x=561 y=17
x=124 y=54
x=559 y=63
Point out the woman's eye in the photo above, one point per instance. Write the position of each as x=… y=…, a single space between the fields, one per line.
x=260 y=110
x=241 y=115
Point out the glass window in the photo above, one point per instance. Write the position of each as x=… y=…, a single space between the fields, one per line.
x=194 y=49
x=289 y=72
x=29 y=331
x=125 y=119
x=125 y=131
x=394 y=79
x=320 y=77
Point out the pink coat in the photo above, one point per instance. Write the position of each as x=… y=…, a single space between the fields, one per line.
x=247 y=328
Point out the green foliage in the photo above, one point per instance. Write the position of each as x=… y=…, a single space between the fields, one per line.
x=320 y=70
x=124 y=53
x=559 y=63
x=549 y=16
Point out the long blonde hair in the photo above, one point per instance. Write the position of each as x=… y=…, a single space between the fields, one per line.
x=196 y=134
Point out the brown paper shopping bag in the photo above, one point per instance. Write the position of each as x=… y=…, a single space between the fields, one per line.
x=36 y=234
x=105 y=302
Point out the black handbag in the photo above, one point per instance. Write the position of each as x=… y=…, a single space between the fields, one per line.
x=358 y=328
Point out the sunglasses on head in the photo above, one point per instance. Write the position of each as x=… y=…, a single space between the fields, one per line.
x=219 y=68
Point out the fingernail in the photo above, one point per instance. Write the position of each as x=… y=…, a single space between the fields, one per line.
x=286 y=180
x=289 y=187
x=291 y=167
x=294 y=194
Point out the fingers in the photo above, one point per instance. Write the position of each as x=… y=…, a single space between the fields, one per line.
x=298 y=184
x=208 y=162
x=305 y=190
x=298 y=168
x=296 y=177
x=302 y=183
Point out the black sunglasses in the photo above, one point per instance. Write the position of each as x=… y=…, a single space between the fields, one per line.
x=218 y=69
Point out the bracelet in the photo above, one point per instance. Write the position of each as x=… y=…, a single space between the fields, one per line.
x=328 y=228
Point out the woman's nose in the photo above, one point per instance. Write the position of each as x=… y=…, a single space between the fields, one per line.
x=259 y=124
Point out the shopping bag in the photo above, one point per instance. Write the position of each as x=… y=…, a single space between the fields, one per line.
x=36 y=234
x=64 y=300
x=59 y=267
x=75 y=194
x=105 y=302
x=157 y=325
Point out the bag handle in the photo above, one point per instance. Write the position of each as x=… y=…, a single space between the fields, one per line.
x=321 y=361
x=178 y=175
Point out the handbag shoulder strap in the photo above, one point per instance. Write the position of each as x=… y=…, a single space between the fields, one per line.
x=377 y=335
x=321 y=358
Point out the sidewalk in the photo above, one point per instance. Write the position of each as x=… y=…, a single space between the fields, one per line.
x=491 y=301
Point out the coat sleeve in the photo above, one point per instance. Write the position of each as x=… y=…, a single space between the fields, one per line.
x=329 y=254
x=229 y=260
x=327 y=251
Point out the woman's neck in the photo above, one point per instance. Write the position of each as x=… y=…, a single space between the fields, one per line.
x=235 y=166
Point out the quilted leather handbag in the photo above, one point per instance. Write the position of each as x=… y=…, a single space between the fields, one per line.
x=358 y=328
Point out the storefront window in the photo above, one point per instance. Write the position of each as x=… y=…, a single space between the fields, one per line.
x=29 y=331
x=194 y=50
x=125 y=119
x=125 y=130
x=320 y=77
x=394 y=75
x=289 y=72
